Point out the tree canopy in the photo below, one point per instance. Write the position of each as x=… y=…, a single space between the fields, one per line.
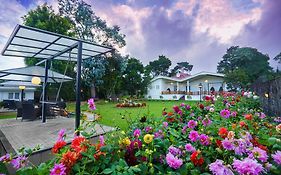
x=243 y=66
x=160 y=66
x=181 y=66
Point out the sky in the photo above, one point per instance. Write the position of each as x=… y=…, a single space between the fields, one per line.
x=196 y=31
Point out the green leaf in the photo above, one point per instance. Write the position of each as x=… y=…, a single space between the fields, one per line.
x=107 y=171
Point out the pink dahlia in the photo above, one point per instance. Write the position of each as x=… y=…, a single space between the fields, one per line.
x=248 y=166
x=277 y=157
x=173 y=161
x=227 y=144
x=91 y=104
x=192 y=124
x=258 y=153
x=204 y=139
x=175 y=151
x=225 y=113
x=137 y=132
x=19 y=162
x=58 y=169
x=189 y=148
x=193 y=136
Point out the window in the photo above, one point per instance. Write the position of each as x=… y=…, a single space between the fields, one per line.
x=17 y=95
x=10 y=95
x=157 y=87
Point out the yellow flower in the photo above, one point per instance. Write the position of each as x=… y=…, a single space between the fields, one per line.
x=126 y=141
x=148 y=138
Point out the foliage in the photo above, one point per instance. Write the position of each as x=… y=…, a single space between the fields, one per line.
x=44 y=17
x=278 y=58
x=227 y=133
x=181 y=67
x=243 y=66
x=160 y=66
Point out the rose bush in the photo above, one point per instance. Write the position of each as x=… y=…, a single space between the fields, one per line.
x=228 y=135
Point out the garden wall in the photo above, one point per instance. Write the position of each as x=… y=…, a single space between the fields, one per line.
x=270 y=96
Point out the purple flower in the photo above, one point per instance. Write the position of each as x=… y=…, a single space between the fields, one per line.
x=227 y=144
x=206 y=122
x=165 y=124
x=204 y=139
x=148 y=128
x=137 y=132
x=159 y=134
x=6 y=158
x=233 y=114
x=58 y=169
x=175 y=151
x=101 y=139
x=258 y=153
x=193 y=136
x=184 y=129
x=189 y=148
x=225 y=113
x=61 y=134
x=247 y=166
x=187 y=107
x=91 y=104
x=192 y=114
x=277 y=157
x=240 y=147
x=192 y=124
x=176 y=109
x=180 y=113
x=182 y=104
x=217 y=168
x=173 y=161
x=19 y=162
x=262 y=115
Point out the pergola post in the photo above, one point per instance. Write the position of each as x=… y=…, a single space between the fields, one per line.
x=44 y=98
x=78 y=86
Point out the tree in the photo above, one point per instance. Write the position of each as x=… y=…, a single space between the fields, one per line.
x=90 y=27
x=278 y=58
x=160 y=66
x=133 y=78
x=44 y=17
x=243 y=66
x=181 y=66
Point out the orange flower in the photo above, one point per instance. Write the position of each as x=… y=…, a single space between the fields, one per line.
x=170 y=114
x=79 y=144
x=196 y=158
x=58 y=145
x=69 y=159
x=248 y=116
x=234 y=126
x=98 y=152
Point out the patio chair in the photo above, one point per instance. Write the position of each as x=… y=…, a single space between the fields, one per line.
x=28 y=111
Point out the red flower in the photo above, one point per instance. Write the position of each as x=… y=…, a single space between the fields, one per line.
x=99 y=153
x=223 y=132
x=170 y=114
x=58 y=145
x=69 y=159
x=201 y=106
x=164 y=113
x=248 y=116
x=79 y=144
x=196 y=158
x=242 y=124
x=218 y=142
x=207 y=98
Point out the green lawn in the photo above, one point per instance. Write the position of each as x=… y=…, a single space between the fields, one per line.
x=113 y=116
x=5 y=115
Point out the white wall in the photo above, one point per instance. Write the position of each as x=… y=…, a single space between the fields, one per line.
x=4 y=93
x=155 y=89
x=213 y=81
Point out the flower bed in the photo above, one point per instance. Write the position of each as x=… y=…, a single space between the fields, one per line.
x=228 y=136
x=130 y=104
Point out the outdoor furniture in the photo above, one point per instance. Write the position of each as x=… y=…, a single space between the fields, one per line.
x=29 y=112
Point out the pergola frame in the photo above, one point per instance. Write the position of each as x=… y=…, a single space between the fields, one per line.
x=55 y=46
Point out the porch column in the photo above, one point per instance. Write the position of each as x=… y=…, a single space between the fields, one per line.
x=187 y=89
x=178 y=86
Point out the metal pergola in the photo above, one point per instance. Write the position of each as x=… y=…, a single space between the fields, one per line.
x=41 y=44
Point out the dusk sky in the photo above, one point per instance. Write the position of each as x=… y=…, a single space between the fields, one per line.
x=184 y=30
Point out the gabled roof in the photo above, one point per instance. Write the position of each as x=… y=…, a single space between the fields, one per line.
x=18 y=83
x=204 y=73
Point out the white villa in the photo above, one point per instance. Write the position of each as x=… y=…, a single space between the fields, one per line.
x=186 y=86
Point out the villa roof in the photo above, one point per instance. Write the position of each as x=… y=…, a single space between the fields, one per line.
x=18 y=83
x=200 y=74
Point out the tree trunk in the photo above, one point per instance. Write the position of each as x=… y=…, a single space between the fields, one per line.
x=93 y=90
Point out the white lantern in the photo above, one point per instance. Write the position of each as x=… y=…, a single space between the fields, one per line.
x=36 y=80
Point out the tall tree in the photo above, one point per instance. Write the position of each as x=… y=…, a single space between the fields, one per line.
x=278 y=58
x=44 y=17
x=181 y=66
x=243 y=66
x=133 y=79
x=89 y=26
x=160 y=66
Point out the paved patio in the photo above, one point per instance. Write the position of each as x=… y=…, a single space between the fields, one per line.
x=15 y=134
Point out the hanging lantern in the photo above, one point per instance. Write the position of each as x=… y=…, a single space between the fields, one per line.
x=36 y=80
x=21 y=87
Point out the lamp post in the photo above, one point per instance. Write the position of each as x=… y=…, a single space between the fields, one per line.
x=200 y=88
x=22 y=90
x=36 y=80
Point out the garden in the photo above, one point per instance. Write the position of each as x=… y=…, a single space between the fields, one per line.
x=227 y=134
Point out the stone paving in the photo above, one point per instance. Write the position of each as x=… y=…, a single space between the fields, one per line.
x=33 y=133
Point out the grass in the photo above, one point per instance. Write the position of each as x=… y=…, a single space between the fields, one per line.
x=113 y=116
x=6 y=115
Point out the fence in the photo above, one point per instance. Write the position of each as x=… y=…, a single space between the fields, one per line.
x=270 y=96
